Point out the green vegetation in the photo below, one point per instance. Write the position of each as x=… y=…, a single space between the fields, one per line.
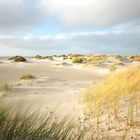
x=49 y=57
x=117 y=57
x=88 y=59
x=62 y=63
x=96 y=60
x=77 y=60
x=43 y=127
x=135 y=58
x=38 y=57
x=114 y=66
x=27 y=77
x=43 y=57
x=71 y=56
x=114 y=102
x=5 y=87
x=18 y=59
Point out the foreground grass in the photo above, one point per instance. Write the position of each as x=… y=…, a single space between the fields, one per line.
x=33 y=126
x=114 y=103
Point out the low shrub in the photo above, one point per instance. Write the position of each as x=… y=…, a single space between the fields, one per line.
x=115 y=66
x=135 y=58
x=77 y=60
x=18 y=59
x=27 y=77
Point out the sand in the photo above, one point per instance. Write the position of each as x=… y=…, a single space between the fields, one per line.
x=55 y=87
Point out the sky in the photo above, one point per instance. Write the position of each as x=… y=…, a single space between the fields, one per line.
x=48 y=27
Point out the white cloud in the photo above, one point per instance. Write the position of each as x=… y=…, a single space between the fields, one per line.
x=95 y=13
x=20 y=15
x=121 y=16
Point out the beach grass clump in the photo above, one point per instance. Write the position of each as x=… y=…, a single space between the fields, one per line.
x=115 y=100
x=96 y=60
x=115 y=66
x=118 y=57
x=112 y=67
x=5 y=87
x=27 y=77
x=77 y=60
x=61 y=64
x=71 y=56
x=38 y=57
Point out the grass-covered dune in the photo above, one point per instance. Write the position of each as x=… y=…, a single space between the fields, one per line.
x=114 y=103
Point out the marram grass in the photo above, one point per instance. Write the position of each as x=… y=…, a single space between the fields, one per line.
x=115 y=100
x=33 y=126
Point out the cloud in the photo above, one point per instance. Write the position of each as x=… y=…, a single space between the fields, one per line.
x=117 y=23
x=93 y=42
x=21 y=15
x=94 y=13
x=18 y=15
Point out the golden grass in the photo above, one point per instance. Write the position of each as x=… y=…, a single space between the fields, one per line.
x=116 y=97
x=95 y=60
x=74 y=55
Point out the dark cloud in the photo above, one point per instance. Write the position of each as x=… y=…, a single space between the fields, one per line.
x=18 y=15
x=100 y=42
x=121 y=16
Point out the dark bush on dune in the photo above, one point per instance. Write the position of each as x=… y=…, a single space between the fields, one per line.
x=38 y=57
x=62 y=55
x=18 y=58
x=43 y=57
x=135 y=58
x=49 y=57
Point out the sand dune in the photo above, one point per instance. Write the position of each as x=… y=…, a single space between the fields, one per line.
x=53 y=86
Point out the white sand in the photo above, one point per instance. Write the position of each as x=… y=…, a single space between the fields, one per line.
x=56 y=88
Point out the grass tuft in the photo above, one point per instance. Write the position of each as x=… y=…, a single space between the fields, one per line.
x=114 y=66
x=77 y=60
x=5 y=87
x=27 y=77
